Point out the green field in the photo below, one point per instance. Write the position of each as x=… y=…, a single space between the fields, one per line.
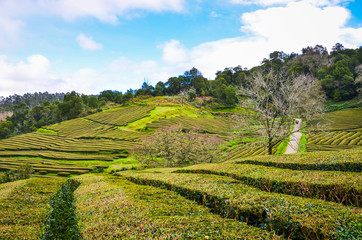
x=336 y=130
x=248 y=195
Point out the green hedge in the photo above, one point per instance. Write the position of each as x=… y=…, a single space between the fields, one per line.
x=345 y=160
x=345 y=188
x=62 y=222
x=115 y=208
x=289 y=216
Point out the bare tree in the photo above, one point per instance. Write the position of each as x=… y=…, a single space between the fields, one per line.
x=170 y=147
x=278 y=99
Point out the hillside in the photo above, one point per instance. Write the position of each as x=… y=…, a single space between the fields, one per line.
x=309 y=195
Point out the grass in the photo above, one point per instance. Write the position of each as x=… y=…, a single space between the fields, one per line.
x=341 y=187
x=288 y=216
x=43 y=130
x=114 y=208
x=346 y=160
x=24 y=206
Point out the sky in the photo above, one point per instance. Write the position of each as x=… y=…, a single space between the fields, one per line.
x=95 y=45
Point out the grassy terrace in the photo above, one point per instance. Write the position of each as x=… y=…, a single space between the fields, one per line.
x=247 y=149
x=114 y=208
x=42 y=166
x=342 y=187
x=43 y=141
x=207 y=124
x=336 y=130
x=24 y=205
x=56 y=155
x=122 y=116
x=289 y=216
x=346 y=160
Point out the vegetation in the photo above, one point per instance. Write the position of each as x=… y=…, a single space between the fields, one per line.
x=345 y=160
x=24 y=205
x=288 y=216
x=179 y=123
x=62 y=222
x=178 y=148
x=278 y=99
x=114 y=208
x=343 y=188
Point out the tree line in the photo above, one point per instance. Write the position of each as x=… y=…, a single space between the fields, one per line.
x=339 y=73
x=26 y=119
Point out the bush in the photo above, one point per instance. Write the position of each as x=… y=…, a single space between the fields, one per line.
x=9 y=176
x=171 y=146
x=62 y=222
x=25 y=171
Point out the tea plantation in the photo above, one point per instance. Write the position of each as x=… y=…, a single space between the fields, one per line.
x=246 y=195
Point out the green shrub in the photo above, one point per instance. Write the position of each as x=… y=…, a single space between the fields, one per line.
x=25 y=171
x=289 y=216
x=62 y=222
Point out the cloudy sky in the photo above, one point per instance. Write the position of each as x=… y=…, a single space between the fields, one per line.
x=94 y=45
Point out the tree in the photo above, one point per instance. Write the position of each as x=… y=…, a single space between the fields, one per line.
x=278 y=99
x=72 y=106
x=171 y=147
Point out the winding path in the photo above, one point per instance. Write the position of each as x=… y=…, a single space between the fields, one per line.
x=295 y=137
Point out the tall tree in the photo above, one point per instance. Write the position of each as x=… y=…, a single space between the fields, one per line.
x=278 y=99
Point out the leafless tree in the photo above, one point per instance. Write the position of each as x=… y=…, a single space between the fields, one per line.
x=278 y=98
x=170 y=147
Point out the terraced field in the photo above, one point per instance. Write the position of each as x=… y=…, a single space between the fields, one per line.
x=292 y=204
x=95 y=139
x=207 y=124
x=314 y=195
x=24 y=205
x=115 y=208
x=336 y=130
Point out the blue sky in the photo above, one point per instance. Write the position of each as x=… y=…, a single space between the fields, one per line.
x=94 y=45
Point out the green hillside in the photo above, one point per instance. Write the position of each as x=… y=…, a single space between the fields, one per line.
x=246 y=194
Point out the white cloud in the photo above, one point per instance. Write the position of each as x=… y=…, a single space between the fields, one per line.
x=107 y=11
x=14 y=13
x=22 y=77
x=173 y=52
x=88 y=43
x=284 y=2
x=289 y=29
x=35 y=74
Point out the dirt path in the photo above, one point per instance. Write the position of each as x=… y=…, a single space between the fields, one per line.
x=295 y=137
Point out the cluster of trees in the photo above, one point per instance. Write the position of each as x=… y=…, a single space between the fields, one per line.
x=339 y=72
x=30 y=99
x=22 y=172
x=26 y=119
x=171 y=147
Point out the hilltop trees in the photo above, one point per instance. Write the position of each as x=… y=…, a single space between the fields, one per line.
x=277 y=99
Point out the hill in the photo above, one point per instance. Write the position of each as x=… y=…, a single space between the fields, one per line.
x=310 y=195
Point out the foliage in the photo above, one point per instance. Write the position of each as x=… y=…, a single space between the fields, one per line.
x=62 y=222
x=288 y=216
x=345 y=160
x=24 y=171
x=24 y=205
x=278 y=98
x=170 y=147
x=114 y=208
x=329 y=186
x=30 y=99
